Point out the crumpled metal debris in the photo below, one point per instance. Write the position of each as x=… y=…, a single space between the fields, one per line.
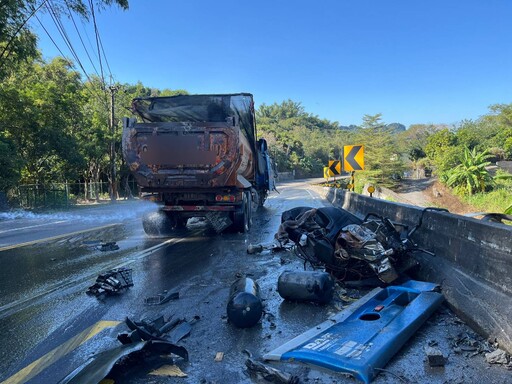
x=370 y=251
x=162 y=298
x=273 y=246
x=470 y=344
x=270 y=374
x=147 y=339
x=497 y=357
x=176 y=329
x=358 y=242
x=111 y=282
x=109 y=246
x=219 y=221
x=99 y=366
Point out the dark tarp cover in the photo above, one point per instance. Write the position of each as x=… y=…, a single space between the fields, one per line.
x=199 y=108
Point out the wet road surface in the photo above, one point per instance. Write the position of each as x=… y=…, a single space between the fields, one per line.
x=25 y=227
x=44 y=310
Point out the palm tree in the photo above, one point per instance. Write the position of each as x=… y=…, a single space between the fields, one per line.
x=471 y=175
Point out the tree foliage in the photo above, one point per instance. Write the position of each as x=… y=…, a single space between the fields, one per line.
x=299 y=141
x=18 y=44
x=471 y=175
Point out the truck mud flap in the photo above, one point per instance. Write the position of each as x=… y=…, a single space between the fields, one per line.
x=363 y=338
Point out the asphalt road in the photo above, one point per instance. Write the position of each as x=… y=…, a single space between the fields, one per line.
x=23 y=227
x=48 y=326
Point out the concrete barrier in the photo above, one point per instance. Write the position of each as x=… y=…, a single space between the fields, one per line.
x=473 y=262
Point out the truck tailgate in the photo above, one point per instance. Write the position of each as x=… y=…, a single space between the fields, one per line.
x=170 y=155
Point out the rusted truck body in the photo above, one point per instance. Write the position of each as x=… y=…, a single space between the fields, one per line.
x=197 y=155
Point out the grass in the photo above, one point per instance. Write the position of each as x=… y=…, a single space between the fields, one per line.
x=494 y=201
x=497 y=200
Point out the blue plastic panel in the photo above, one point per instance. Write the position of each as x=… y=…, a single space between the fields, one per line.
x=366 y=335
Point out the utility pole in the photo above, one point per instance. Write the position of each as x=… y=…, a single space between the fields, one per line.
x=113 y=190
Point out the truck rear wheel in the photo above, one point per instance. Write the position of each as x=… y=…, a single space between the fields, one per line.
x=242 y=217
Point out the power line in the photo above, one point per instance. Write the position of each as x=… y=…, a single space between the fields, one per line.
x=80 y=37
x=106 y=61
x=97 y=38
x=51 y=38
x=91 y=91
x=88 y=39
x=34 y=11
x=60 y=28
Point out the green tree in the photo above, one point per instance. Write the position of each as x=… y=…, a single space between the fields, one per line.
x=40 y=111
x=382 y=157
x=298 y=140
x=18 y=43
x=470 y=175
x=10 y=165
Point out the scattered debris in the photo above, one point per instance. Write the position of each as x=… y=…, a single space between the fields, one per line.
x=179 y=332
x=162 y=298
x=101 y=246
x=306 y=286
x=275 y=245
x=470 y=344
x=353 y=341
x=110 y=246
x=168 y=371
x=147 y=337
x=358 y=252
x=111 y=282
x=155 y=330
x=219 y=221
x=435 y=356
x=271 y=374
x=219 y=356
x=244 y=307
x=99 y=366
x=497 y=357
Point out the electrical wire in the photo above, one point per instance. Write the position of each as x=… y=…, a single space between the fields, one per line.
x=91 y=91
x=7 y=46
x=97 y=38
x=106 y=61
x=80 y=37
x=60 y=28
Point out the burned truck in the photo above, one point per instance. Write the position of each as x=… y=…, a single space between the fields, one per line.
x=198 y=156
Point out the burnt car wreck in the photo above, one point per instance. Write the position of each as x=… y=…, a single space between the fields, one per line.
x=371 y=251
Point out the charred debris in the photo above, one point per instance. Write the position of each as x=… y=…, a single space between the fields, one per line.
x=368 y=252
x=340 y=252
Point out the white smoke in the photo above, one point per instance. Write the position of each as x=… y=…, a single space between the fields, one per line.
x=119 y=212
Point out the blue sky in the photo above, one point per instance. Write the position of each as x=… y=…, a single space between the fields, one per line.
x=436 y=61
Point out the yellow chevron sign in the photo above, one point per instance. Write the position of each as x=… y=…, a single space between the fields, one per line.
x=353 y=158
x=334 y=167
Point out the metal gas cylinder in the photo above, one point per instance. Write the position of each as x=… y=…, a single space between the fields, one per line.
x=306 y=286
x=244 y=307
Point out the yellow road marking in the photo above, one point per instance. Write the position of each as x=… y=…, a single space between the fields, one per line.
x=56 y=237
x=55 y=354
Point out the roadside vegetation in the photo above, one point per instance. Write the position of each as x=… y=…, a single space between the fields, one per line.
x=55 y=128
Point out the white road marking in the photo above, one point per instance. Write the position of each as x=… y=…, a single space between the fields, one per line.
x=33 y=226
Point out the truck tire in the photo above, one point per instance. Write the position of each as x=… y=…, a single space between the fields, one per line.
x=159 y=224
x=242 y=217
